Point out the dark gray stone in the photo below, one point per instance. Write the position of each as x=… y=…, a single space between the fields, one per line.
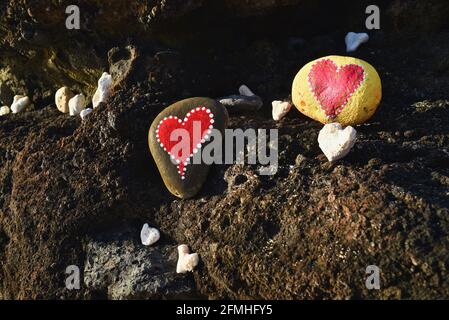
x=241 y=103
x=126 y=269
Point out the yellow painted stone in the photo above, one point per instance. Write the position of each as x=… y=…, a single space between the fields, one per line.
x=337 y=89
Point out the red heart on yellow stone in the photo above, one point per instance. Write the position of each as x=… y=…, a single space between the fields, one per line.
x=339 y=89
x=333 y=86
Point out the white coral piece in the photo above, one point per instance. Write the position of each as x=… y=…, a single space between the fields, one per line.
x=77 y=104
x=103 y=91
x=149 y=235
x=280 y=109
x=186 y=261
x=336 y=142
x=20 y=103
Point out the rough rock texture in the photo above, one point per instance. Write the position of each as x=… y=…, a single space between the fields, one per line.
x=39 y=55
x=126 y=269
x=309 y=231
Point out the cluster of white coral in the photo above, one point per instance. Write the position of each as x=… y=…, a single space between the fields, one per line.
x=67 y=102
x=19 y=104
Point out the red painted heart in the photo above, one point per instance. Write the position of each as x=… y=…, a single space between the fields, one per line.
x=333 y=86
x=181 y=139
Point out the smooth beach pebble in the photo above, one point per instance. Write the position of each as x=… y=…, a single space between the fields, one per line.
x=337 y=89
x=4 y=110
x=62 y=98
x=198 y=116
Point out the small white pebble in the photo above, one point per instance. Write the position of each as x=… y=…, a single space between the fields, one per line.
x=85 y=112
x=20 y=103
x=354 y=40
x=280 y=109
x=77 y=104
x=4 y=110
x=336 y=142
x=186 y=261
x=62 y=98
x=149 y=235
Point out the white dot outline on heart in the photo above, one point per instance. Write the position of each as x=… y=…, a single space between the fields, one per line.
x=339 y=109
x=195 y=150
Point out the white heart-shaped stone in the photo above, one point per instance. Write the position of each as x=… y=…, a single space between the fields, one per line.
x=354 y=40
x=336 y=142
x=149 y=235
